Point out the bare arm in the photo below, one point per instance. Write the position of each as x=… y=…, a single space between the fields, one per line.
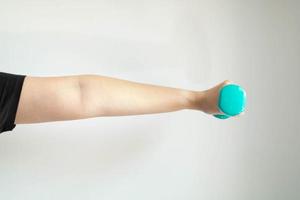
x=45 y=99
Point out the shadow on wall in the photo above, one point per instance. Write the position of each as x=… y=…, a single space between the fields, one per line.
x=120 y=149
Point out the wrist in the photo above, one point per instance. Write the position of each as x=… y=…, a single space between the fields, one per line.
x=192 y=99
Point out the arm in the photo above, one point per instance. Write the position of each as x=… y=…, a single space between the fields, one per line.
x=45 y=99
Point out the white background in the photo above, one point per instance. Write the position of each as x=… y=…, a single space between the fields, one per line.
x=179 y=155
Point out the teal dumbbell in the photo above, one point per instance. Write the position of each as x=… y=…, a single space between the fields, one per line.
x=232 y=101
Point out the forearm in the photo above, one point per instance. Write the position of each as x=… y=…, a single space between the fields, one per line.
x=107 y=96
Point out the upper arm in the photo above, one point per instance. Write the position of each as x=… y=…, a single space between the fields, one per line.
x=45 y=99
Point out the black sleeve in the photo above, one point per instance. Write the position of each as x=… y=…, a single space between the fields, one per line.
x=10 y=91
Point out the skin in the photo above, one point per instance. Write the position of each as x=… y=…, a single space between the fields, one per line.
x=59 y=98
